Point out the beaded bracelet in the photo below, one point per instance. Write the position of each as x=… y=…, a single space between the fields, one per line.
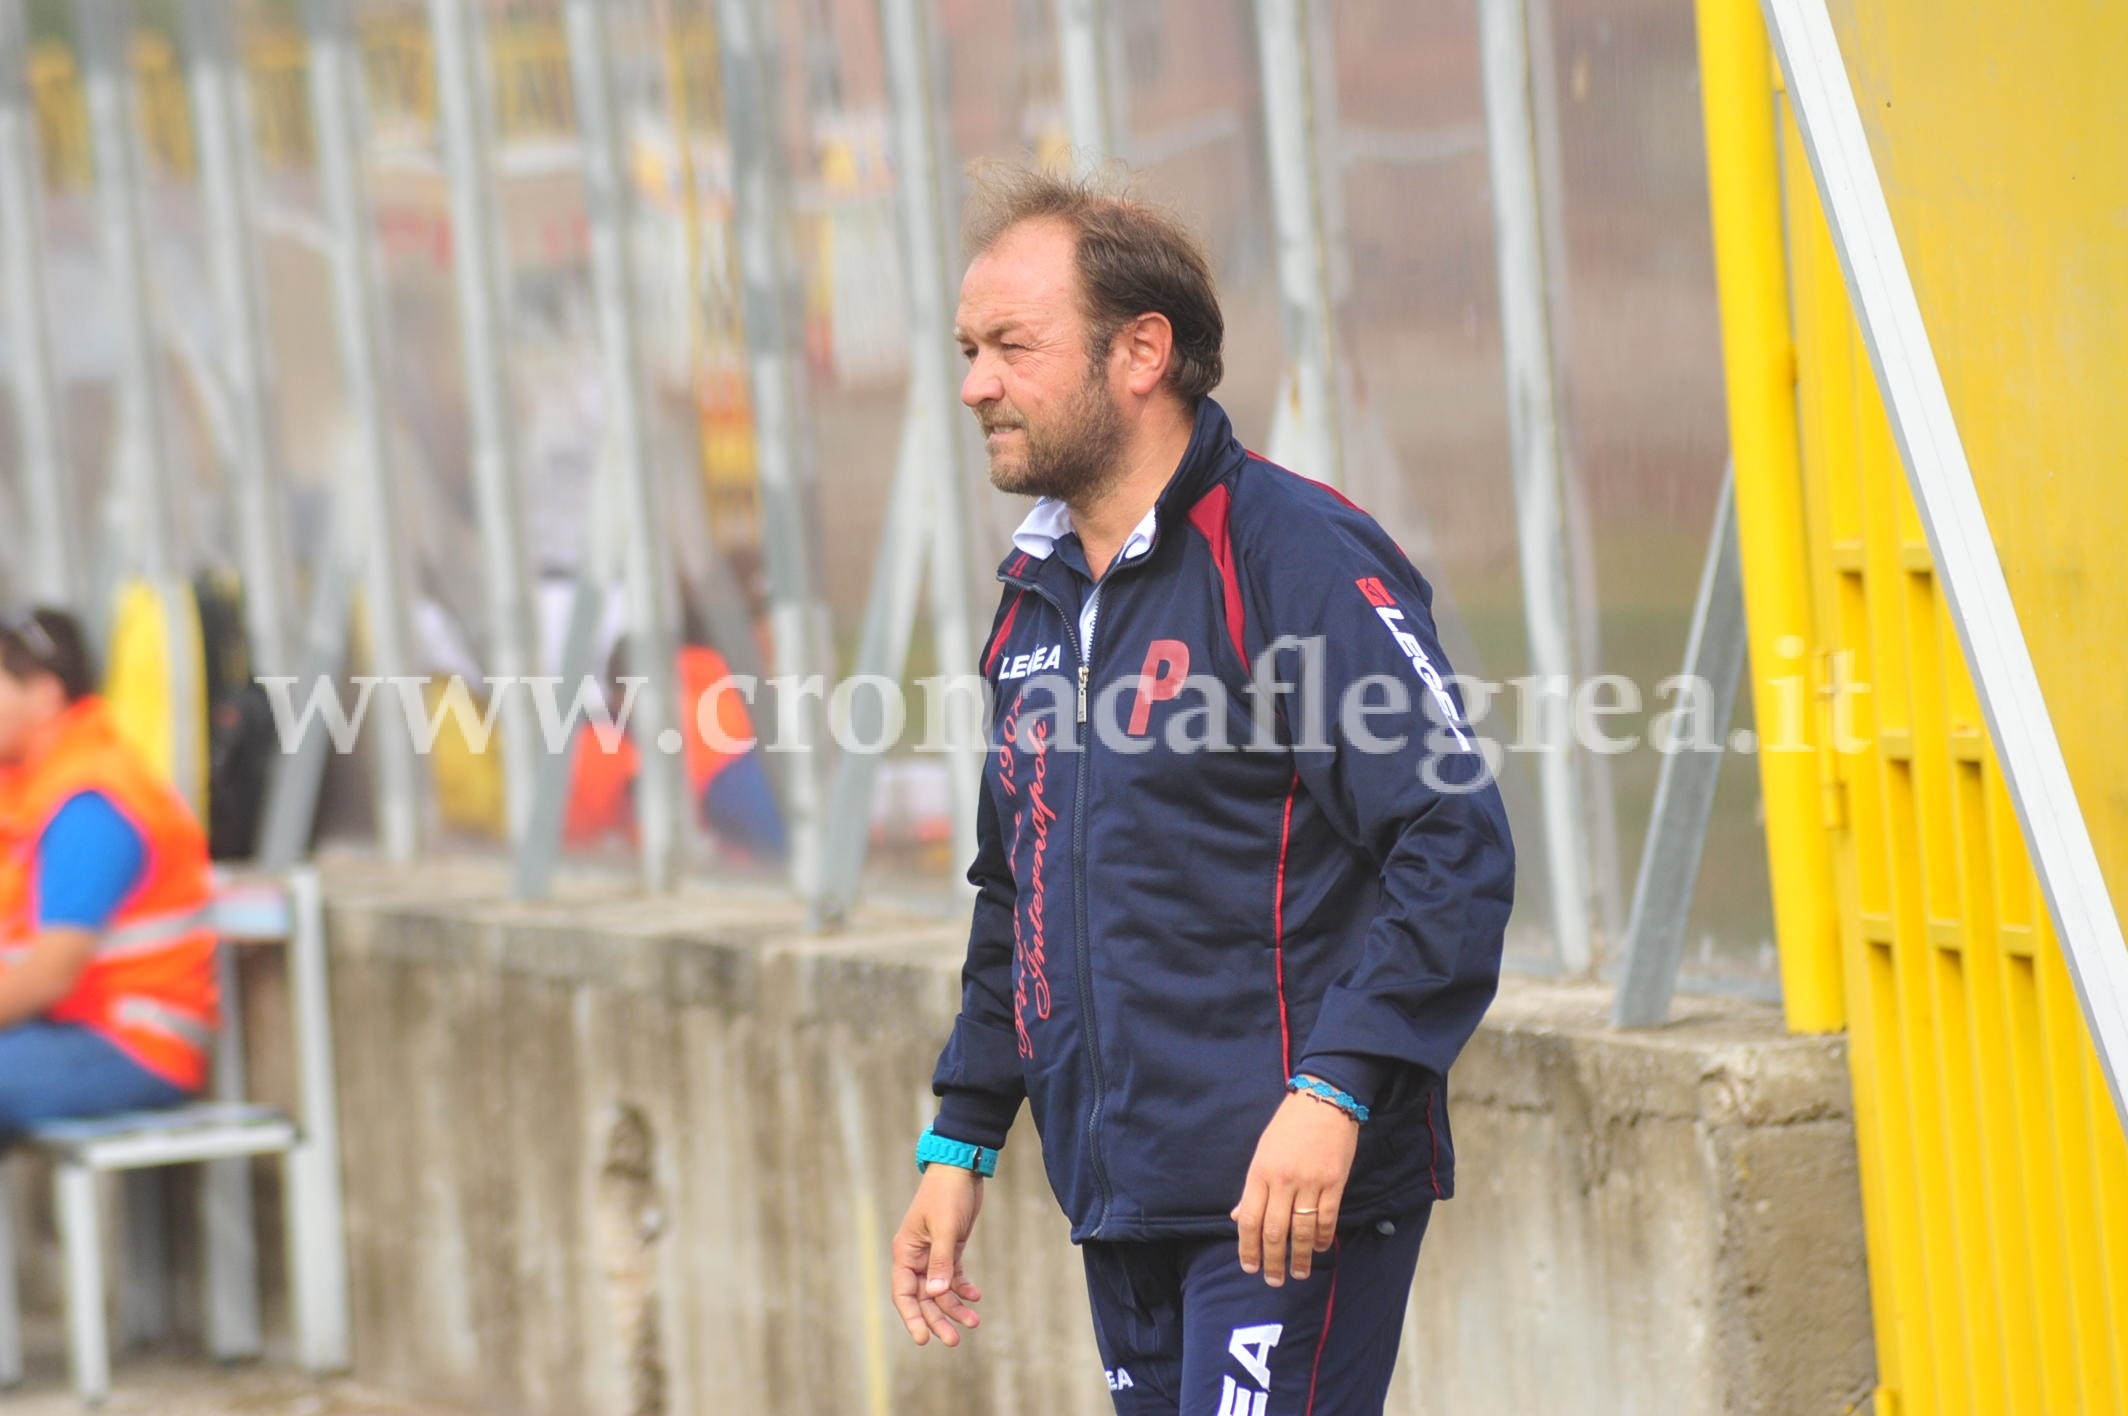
x=1323 y=1091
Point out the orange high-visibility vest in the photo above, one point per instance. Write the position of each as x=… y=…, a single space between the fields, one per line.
x=599 y=793
x=150 y=986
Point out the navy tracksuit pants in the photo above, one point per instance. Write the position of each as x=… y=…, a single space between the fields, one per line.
x=1184 y=1332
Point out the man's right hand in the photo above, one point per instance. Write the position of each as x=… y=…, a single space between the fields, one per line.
x=930 y=1290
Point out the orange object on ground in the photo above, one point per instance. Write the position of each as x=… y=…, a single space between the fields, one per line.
x=599 y=798
x=150 y=987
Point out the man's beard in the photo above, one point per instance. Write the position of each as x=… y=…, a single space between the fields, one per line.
x=1073 y=460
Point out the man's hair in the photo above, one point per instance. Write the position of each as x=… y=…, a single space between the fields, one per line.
x=1134 y=258
x=47 y=641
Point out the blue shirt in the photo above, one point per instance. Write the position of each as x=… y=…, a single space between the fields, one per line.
x=88 y=860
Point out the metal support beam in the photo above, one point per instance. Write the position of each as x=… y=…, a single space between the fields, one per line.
x=1967 y=563
x=882 y=651
x=1307 y=431
x=313 y=1198
x=1533 y=414
x=1684 y=788
x=751 y=61
x=541 y=848
x=483 y=314
x=927 y=521
x=662 y=808
x=930 y=217
x=1773 y=542
x=1082 y=50
x=336 y=102
x=299 y=772
x=228 y=185
x=145 y=473
x=153 y=500
x=56 y=574
x=1598 y=785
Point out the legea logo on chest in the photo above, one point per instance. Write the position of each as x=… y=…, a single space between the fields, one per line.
x=1035 y=661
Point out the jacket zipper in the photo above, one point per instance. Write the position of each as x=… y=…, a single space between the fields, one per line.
x=1083 y=653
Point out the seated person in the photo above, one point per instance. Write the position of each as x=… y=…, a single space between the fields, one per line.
x=107 y=979
x=729 y=787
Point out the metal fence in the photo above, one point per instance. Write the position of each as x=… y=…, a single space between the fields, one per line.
x=479 y=315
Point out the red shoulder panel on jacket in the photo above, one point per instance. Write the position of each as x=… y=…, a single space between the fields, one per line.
x=1210 y=516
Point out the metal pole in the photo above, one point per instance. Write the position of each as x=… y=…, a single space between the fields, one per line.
x=153 y=495
x=926 y=517
x=483 y=306
x=1773 y=544
x=1684 y=789
x=1533 y=414
x=661 y=799
x=540 y=851
x=299 y=771
x=541 y=848
x=882 y=650
x=56 y=574
x=105 y=28
x=1882 y=292
x=336 y=112
x=1307 y=431
x=927 y=249
x=1083 y=54
x=1598 y=787
x=228 y=187
x=313 y=1196
x=750 y=62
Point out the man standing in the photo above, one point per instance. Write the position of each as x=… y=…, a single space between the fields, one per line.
x=1242 y=874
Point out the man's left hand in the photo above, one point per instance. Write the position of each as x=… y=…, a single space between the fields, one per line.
x=1295 y=1185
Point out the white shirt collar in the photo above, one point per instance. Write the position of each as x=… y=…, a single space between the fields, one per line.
x=1050 y=522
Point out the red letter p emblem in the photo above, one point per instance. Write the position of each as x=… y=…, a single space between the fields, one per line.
x=1167 y=666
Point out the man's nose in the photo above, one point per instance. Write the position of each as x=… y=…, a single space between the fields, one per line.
x=981 y=386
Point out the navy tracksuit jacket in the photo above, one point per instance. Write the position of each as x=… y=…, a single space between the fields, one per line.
x=1163 y=935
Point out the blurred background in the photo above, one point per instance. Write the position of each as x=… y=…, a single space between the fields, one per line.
x=1408 y=233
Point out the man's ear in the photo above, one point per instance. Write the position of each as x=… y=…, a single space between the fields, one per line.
x=1149 y=349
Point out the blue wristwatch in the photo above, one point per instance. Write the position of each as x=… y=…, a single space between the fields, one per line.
x=933 y=1148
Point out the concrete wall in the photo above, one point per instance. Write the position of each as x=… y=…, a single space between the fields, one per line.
x=622 y=1156
x=618 y=1157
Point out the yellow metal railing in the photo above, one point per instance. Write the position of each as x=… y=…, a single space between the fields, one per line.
x=529 y=58
x=274 y=67
x=62 y=117
x=62 y=110
x=1994 y=1170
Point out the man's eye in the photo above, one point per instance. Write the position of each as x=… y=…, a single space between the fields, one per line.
x=968 y=352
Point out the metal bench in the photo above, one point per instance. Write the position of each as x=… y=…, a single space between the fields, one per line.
x=221 y=1131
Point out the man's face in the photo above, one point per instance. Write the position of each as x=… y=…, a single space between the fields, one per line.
x=1050 y=419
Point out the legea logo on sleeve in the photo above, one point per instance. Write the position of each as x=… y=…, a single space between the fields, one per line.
x=1385 y=606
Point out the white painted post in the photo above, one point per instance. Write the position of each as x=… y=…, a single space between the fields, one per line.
x=228 y=183
x=663 y=812
x=749 y=63
x=336 y=102
x=483 y=315
x=1307 y=430
x=1082 y=49
x=56 y=574
x=1533 y=414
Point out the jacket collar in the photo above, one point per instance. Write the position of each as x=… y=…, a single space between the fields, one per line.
x=1213 y=452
